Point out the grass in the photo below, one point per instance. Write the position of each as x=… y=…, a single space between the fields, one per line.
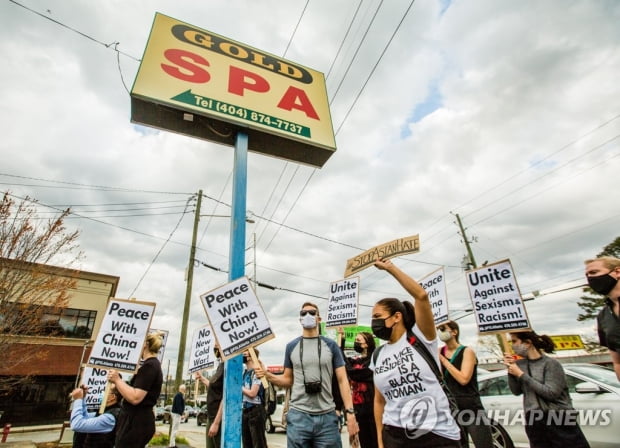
x=160 y=439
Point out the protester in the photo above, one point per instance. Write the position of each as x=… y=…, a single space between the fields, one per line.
x=460 y=373
x=176 y=413
x=99 y=430
x=603 y=274
x=215 y=393
x=254 y=415
x=136 y=422
x=410 y=402
x=362 y=386
x=550 y=419
x=310 y=361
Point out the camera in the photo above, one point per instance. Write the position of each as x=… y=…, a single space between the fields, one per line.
x=313 y=387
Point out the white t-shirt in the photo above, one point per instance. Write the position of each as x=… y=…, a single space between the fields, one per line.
x=414 y=399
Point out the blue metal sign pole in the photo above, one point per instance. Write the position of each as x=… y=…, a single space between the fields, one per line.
x=233 y=369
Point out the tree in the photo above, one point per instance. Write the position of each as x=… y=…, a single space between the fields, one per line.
x=592 y=304
x=31 y=290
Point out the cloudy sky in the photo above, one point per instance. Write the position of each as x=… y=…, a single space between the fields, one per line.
x=505 y=113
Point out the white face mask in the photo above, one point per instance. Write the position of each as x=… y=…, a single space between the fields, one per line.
x=308 y=321
x=445 y=336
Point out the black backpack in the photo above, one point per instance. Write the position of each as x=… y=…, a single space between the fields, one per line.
x=269 y=398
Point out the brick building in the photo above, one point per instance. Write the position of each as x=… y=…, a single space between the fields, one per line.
x=53 y=361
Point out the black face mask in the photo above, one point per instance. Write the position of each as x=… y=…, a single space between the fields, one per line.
x=357 y=346
x=602 y=284
x=380 y=330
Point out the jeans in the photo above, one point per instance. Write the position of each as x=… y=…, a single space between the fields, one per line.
x=253 y=427
x=312 y=431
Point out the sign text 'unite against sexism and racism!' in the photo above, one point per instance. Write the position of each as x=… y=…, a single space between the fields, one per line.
x=121 y=337
x=342 y=303
x=236 y=317
x=496 y=299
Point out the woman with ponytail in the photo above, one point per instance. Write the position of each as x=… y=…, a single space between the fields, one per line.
x=411 y=407
x=550 y=419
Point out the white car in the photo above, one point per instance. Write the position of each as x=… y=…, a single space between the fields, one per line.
x=595 y=392
x=278 y=418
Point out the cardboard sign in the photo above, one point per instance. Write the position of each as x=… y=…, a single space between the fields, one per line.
x=496 y=299
x=201 y=354
x=162 y=350
x=435 y=286
x=342 y=304
x=401 y=246
x=236 y=316
x=95 y=379
x=568 y=342
x=121 y=337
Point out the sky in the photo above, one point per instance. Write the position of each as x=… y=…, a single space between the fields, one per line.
x=503 y=113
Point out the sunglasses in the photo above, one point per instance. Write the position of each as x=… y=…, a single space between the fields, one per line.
x=310 y=312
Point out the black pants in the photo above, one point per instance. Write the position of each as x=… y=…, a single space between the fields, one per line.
x=368 y=430
x=397 y=438
x=544 y=433
x=253 y=427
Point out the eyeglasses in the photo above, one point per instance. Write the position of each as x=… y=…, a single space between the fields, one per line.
x=310 y=312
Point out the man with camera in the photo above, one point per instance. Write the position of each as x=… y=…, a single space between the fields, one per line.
x=310 y=361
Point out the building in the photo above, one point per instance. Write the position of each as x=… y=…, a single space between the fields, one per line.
x=52 y=359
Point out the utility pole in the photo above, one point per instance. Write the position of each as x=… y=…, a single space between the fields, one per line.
x=500 y=340
x=472 y=260
x=188 y=297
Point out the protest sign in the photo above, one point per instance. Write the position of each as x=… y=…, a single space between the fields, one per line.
x=496 y=299
x=435 y=286
x=121 y=337
x=401 y=246
x=201 y=354
x=236 y=317
x=162 y=350
x=95 y=379
x=342 y=304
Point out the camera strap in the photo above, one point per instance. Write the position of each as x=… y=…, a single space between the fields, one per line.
x=301 y=358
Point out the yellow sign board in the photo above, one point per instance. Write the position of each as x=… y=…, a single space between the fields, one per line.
x=401 y=246
x=205 y=85
x=568 y=342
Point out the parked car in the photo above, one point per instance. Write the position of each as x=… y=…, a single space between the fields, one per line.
x=595 y=392
x=167 y=415
x=201 y=416
x=191 y=411
x=278 y=418
x=159 y=412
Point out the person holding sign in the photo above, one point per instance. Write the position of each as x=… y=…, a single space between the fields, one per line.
x=254 y=415
x=410 y=402
x=136 y=424
x=362 y=386
x=215 y=393
x=603 y=274
x=99 y=431
x=459 y=369
x=310 y=361
x=550 y=419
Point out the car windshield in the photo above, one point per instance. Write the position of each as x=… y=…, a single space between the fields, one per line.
x=597 y=373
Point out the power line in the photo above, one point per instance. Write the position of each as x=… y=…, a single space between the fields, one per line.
x=78 y=32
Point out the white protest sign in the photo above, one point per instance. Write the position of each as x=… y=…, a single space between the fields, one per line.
x=164 y=341
x=201 y=354
x=342 y=303
x=121 y=336
x=496 y=299
x=95 y=379
x=236 y=317
x=435 y=286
